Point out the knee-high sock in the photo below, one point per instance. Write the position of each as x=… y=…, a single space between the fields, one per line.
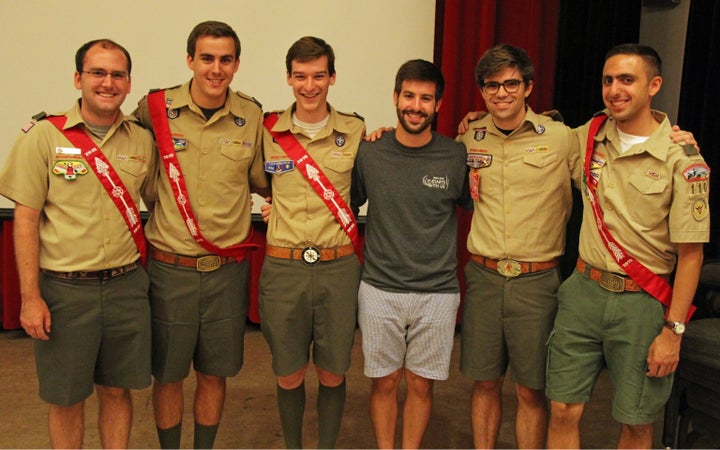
x=204 y=435
x=330 y=405
x=291 y=404
x=170 y=437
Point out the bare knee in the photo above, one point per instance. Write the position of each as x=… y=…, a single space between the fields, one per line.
x=387 y=384
x=112 y=394
x=418 y=385
x=528 y=396
x=209 y=381
x=293 y=380
x=566 y=413
x=329 y=379
x=488 y=387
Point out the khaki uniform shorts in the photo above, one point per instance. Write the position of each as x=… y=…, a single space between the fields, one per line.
x=506 y=323
x=197 y=317
x=100 y=335
x=302 y=305
x=594 y=327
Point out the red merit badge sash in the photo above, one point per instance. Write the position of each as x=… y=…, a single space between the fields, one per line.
x=650 y=282
x=318 y=180
x=163 y=137
x=108 y=177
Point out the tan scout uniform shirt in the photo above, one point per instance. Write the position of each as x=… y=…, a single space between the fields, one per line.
x=81 y=229
x=220 y=159
x=525 y=197
x=653 y=196
x=300 y=217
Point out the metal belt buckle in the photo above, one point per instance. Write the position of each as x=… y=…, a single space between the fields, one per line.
x=509 y=268
x=612 y=282
x=310 y=255
x=207 y=263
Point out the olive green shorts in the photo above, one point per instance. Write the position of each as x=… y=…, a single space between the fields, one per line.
x=302 y=305
x=506 y=323
x=197 y=317
x=100 y=335
x=595 y=327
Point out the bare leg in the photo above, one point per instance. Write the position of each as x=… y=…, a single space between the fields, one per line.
x=66 y=425
x=384 y=408
x=531 y=418
x=486 y=412
x=115 y=416
x=168 y=404
x=636 y=436
x=209 y=399
x=564 y=429
x=417 y=409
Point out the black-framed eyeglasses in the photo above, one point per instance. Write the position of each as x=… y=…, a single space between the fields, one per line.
x=100 y=74
x=511 y=86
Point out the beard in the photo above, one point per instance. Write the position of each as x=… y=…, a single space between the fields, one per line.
x=413 y=128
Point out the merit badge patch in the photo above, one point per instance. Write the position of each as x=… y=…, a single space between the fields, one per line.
x=700 y=209
x=340 y=140
x=279 y=166
x=479 y=160
x=173 y=113
x=696 y=172
x=240 y=121
x=70 y=169
x=479 y=134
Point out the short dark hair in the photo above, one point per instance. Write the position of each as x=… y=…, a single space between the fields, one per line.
x=647 y=53
x=104 y=43
x=308 y=48
x=215 y=29
x=501 y=56
x=420 y=70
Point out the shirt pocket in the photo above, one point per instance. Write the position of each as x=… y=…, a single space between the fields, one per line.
x=338 y=171
x=646 y=198
x=236 y=159
x=536 y=169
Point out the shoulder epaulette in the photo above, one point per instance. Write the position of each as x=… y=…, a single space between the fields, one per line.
x=39 y=116
x=690 y=150
x=250 y=98
x=267 y=113
x=602 y=111
x=554 y=114
x=164 y=89
x=352 y=114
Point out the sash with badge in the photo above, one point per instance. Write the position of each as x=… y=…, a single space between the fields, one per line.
x=653 y=284
x=320 y=183
x=166 y=146
x=106 y=174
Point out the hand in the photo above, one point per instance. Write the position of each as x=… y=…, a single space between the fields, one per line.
x=266 y=209
x=35 y=318
x=664 y=354
x=375 y=135
x=464 y=124
x=679 y=136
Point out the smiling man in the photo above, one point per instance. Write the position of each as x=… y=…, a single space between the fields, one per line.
x=412 y=179
x=210 y=139
x=79 y=249
x=308 y=285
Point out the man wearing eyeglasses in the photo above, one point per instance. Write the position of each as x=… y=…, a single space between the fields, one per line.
x=76 y=180
x=521 y=165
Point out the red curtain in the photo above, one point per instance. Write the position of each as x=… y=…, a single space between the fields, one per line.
x=464 y=29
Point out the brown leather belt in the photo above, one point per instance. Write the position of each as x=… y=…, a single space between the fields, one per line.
x=511 y=268
x=607 y=280
x=104 y=274
x=206 y=263
x=310 y=254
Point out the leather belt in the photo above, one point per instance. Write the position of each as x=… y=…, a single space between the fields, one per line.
x=206 y=263
x=310 y=254
x=511 y=268
x=104 y=274
x=607 y=280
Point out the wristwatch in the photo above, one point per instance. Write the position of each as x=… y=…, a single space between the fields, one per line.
x=676 y=327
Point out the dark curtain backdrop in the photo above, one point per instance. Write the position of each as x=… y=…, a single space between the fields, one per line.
x=699 y=109
x=464 y=29
x=586 y=31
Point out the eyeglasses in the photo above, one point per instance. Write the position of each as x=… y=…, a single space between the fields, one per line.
x=100 y=74
x=492 y=87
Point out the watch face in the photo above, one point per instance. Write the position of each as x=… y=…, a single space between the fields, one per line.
x=679 y=328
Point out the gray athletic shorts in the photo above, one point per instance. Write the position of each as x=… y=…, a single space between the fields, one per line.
x=100 y=335
x=197 y=317
x=414 y=330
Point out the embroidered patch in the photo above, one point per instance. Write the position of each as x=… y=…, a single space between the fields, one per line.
x=138 y=158
x=700 y=209
x=340 y=140
x=28 y=126
x=279 y=166
x=70 y=169
x=479 y=160
x=653 y=174
x=479 y=134
x=435 y=182
x=179 y=144
x=696 y=172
